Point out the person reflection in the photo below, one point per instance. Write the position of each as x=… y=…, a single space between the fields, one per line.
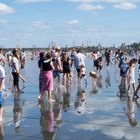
x=100 y=81
x=107 y=79
x=47 y=120
x=94 y=77
x=122 y=89
x=17 y=111
x=66 y=98
x=58 y=114
x=80 y=100
x=1 y=132
x=131 y=112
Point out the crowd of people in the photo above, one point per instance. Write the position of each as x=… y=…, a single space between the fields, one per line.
x=16 y=61
x=57 y=67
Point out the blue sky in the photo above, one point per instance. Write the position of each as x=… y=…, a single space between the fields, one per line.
x=71 y=22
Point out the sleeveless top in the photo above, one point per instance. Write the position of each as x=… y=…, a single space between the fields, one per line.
x=46 y=66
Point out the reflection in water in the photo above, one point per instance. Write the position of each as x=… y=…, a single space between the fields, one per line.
x=137 y=104
x=66 y=98
x=47 y=120
x=10 y=82
x=17 y=111
x=80 y=100
x=107 y=79
x=58 y=114
x=1 y=132
x=131 y=112
x=122 y=89
x=100 y=81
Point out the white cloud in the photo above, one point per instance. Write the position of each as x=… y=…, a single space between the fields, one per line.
x=125 y=6
x=5 y=9
x=105 y=1
x=30 y=1
x=86 y=1
x=28 y=34
x=40 y=25
x=3 y=21
x=73 y=21
x=89 y=7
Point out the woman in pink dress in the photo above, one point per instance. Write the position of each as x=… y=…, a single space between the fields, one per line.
x=47 y=72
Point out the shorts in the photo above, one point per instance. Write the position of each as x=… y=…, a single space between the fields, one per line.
x=78 y=70
x=56 y=73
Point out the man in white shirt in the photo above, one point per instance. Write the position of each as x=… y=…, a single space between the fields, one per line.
x=79 y=60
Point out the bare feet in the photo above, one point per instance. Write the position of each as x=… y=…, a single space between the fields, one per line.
x=21 y=91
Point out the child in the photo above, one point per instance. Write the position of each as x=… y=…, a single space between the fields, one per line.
x=83 y=73
x=66 y=64
x=136 y=96
x=131 y=75
x=99 y=63
x=94 y=81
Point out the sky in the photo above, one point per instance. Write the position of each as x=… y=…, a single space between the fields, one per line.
x=39 y=23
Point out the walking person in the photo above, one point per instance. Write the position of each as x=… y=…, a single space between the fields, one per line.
x=136 y=96
x=66 y=66
x=2 y=84
x=131 y=75
x=47 y=75
x=15 y=71
x=79 y=60
x=40 y=61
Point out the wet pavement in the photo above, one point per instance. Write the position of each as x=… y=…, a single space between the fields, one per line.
x=80 y=112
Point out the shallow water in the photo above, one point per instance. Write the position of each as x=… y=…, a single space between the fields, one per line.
x=96 y=114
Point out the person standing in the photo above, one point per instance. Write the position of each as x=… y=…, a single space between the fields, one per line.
x=47 y=75
x=2 y=84
x=79 y=60
x=15 y=71
x=40 y=61
x=131 y=76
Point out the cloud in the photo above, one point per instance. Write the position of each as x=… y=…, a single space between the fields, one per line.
x=5 y=9
x=3 y=21
x=28 y=34
x=31 y=1
x=90 y=7
x=104 y=1
x=125 y=6
x=40 y=25
x=73 y=21
x=86 y=1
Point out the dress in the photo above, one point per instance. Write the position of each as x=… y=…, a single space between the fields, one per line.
x=47 y=76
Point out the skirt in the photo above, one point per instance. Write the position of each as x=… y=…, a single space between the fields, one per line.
x=47 y=81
